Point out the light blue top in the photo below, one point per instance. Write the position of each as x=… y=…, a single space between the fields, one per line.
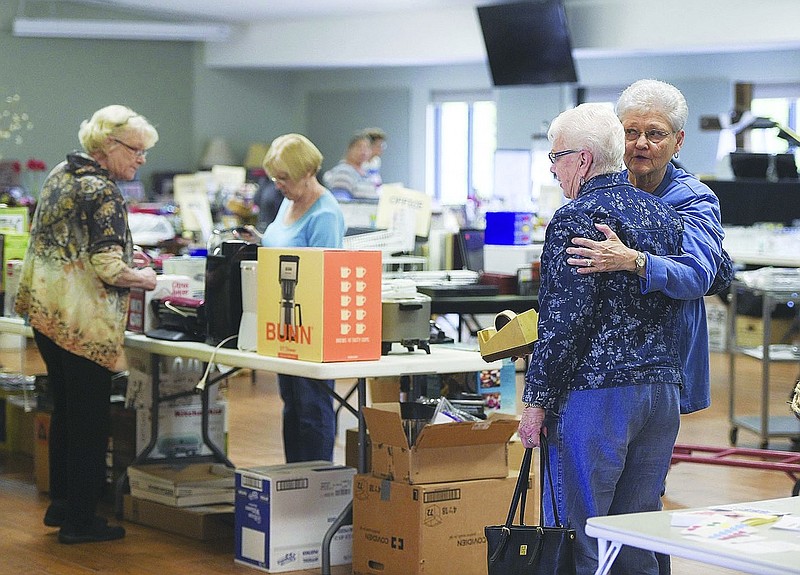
x=322 y=226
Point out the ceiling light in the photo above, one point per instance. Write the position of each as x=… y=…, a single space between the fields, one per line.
x=120 y=30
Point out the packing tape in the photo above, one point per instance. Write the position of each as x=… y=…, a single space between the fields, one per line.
x=503 y=318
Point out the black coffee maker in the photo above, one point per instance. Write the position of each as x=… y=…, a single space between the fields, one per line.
x=223 y=295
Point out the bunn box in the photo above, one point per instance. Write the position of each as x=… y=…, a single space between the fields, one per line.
x=319 y=304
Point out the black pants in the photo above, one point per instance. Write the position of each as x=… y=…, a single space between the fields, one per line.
x=79 y=429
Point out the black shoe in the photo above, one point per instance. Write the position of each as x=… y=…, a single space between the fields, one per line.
x=98 y=530
x=56 y=513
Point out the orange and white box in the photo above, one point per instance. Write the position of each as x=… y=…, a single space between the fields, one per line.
x=317 y=304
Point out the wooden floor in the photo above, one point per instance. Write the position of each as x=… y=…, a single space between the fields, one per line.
x=28 y=547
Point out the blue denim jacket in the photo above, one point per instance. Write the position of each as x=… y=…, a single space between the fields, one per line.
x=689 y=275
x=599 y=330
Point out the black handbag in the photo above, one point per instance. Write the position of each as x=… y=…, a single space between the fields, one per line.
x=531 y=549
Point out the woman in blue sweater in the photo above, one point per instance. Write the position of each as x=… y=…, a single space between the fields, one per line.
x=309 y=216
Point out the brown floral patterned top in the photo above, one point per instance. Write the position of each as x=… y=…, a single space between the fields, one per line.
x=80 y=213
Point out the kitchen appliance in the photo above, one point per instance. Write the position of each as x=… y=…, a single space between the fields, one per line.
x=178 y=319
x=248 y=325
x=406 y=319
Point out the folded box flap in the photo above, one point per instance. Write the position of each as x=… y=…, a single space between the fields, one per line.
x=385 y=426
x=466 y=433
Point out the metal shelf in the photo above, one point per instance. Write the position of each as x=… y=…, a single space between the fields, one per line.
x=764 y=425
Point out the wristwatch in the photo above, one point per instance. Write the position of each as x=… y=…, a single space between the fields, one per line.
x=640 y=262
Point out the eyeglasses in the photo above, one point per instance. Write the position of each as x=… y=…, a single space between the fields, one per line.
x=137 y=152
x=280 y=179
x=653 y=136
x=556 y=155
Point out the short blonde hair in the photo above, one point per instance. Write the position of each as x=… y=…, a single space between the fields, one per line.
x=115 y=121
x=293 y=154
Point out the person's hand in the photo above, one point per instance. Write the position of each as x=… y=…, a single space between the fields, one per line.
x=530 y=426
x=250 y=234
x=609 y=255
x=147 y=276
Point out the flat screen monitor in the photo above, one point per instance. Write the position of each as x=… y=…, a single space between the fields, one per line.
x=470 y=250
x=527 y=42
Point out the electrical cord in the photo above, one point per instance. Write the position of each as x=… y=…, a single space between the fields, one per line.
x=201 y=385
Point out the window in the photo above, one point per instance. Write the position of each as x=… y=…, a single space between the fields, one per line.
x=780 y=110
x=462 y=132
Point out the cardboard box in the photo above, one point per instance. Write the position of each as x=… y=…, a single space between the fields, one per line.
x=180 y=429
x=178 y=377
x=140 y=313
x=443 y=452
x=717 y=321
x=193 y=267
x=431 y=529
x=19 y=424
x=499 y=388
x=351 y=450
x=750 y=330
x=41 y=450
x=182 y=485
x=284 y=511
x=319 y=305
x=203 y=522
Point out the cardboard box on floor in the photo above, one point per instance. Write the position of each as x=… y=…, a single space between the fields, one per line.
x=431 y=529
x=442 y=452
x=319 y=304
x=284 y=511
x=351 y=450
x=202 y=522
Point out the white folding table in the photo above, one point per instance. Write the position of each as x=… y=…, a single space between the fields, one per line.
x=652 y=531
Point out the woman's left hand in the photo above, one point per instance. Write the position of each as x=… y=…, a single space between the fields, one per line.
x=607 y=256
x=530 y=426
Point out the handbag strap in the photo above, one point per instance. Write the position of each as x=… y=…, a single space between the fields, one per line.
x=520 y=489
x=544 y=469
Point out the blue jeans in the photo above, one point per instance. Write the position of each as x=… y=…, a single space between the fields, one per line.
x=610 y=451
x=309 y=420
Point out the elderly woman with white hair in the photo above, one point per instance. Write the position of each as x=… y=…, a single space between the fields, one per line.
x=74 y=293
x=653 y=114
x=604 y=376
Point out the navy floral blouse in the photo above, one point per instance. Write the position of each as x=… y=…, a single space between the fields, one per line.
x=598 y=330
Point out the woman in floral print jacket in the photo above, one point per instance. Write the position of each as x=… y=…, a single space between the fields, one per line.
x=74 y=293
x=604 y=376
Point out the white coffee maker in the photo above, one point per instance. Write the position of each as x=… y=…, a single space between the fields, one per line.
x=248 y=327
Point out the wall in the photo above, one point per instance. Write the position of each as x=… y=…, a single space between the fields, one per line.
x=61 y=82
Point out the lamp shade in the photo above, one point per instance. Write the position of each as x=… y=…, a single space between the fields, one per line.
x=217 y=152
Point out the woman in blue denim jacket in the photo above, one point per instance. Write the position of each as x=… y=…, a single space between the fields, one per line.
x=604 y=376
x=653 y=114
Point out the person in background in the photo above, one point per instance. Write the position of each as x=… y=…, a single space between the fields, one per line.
x=309 y=216
x=377 y=145
x=74 y=293
x=604 y=376
x=653 y=114
x=347 y=180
